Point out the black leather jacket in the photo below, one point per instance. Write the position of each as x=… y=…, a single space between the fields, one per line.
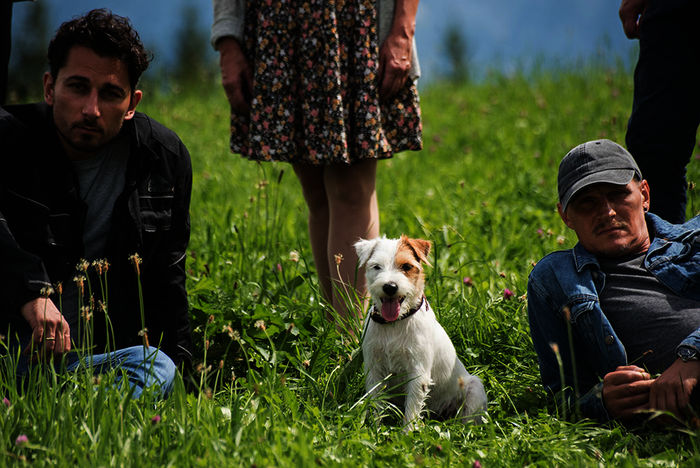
x=42 y=223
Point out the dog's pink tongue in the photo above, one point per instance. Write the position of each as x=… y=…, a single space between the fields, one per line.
x=391 y=309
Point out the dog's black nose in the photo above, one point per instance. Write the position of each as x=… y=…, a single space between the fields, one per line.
x=390 y=288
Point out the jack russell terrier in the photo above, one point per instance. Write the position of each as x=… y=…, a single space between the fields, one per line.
x=404 y=346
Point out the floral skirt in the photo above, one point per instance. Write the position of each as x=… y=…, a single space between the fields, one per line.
x=316 y=88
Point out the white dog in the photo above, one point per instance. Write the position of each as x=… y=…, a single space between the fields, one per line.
x=405 y=343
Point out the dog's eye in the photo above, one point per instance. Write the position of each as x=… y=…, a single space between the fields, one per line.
x=406 y=267
x=376 y=267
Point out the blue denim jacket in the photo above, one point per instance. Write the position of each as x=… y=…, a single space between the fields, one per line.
x=563 y=287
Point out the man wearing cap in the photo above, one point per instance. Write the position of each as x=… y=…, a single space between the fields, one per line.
x=628 y=294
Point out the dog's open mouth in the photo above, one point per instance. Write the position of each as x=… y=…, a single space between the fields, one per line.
x=391 y=307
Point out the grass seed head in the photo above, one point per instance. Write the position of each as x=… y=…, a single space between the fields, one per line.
x=101 y=266
x=82 y=265
x=136 y=260
x=567 y=313
x=79 y=281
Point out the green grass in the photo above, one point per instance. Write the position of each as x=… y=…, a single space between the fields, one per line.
x=275 y=385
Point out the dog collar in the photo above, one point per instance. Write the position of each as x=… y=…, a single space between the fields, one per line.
x=377 y=316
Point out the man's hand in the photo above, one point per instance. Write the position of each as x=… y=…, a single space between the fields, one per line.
x=671 y=391
x=394 y=63
x=626 y=392
x=50 y=331
x=236 y=74
x=630 y=15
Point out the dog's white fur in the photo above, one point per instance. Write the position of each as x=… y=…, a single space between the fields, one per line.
x=414 y=354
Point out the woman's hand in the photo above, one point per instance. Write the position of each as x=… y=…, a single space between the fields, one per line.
x=236 y=74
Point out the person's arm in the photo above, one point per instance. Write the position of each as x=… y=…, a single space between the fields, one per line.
x=671 y=390
x=50 y=331
x=236 y=74
x=22 y=280
x=550 y=338
x=178 y=277
x=229 y=18
x=630 y=16
x=22 y=274
x=396 y=50
x=167 y=295
x=226 y=38
x=24 y=283
x=625 y=392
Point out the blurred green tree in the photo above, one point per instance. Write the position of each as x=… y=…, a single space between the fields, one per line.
x=28 y=61
x=457 y=52
x=193 y=62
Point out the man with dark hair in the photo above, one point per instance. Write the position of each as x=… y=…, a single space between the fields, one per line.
x=624 y=303
x=87 y=181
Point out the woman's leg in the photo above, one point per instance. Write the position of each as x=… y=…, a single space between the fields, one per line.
x=353 y=214
x=312 y=186
x=343 y=208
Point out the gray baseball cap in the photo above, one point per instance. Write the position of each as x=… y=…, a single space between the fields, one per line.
x=594 y=162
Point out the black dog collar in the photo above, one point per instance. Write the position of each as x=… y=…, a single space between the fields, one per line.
x=377 y=316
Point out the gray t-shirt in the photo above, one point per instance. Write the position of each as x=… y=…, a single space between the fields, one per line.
x=650 y=319
x=101 y=180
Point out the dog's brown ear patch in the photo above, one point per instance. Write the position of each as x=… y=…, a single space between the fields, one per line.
x=420 y=247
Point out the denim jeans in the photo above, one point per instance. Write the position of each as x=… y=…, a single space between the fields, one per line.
x=144 y=367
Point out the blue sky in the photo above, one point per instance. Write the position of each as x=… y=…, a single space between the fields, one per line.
x=501 y=33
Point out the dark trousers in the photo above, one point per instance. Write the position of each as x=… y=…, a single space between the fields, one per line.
x=5 y=43
x=666 y=110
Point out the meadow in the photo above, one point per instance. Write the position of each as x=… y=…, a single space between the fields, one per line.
x=275 y=384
